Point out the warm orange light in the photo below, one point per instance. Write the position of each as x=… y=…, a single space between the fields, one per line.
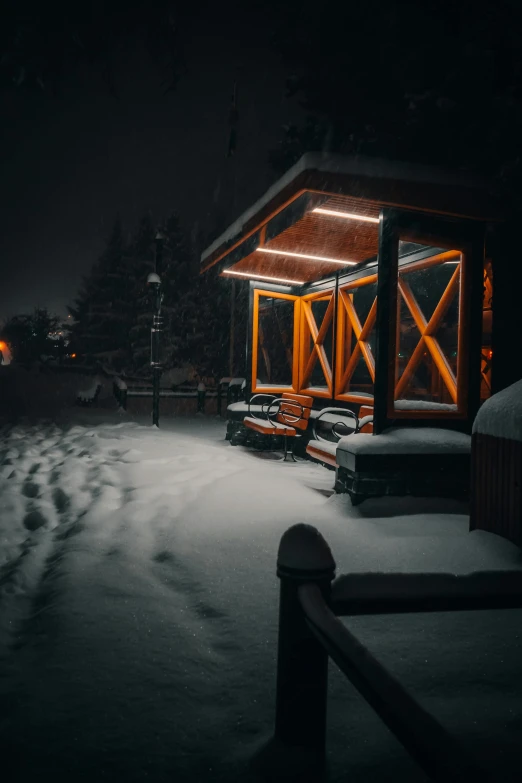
x=73 y=356
x=345 y=215
x=2 y=345
x=264 y=277
x=303 y=255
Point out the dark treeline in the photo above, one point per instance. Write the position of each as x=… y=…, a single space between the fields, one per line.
x=112 y=314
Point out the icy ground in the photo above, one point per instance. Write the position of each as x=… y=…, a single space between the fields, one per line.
x=138 y=610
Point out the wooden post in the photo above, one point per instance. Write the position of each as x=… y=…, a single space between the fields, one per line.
x=219 y=397
x=202 y=392
x=232 y=326
x=302 y=662
x=385 y=358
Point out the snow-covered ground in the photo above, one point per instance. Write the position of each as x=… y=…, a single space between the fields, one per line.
x=138 y=609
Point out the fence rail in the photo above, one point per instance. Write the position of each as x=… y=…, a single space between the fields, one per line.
x=310 y=633
x=222 y=391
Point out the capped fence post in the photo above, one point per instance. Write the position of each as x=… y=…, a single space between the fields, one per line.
x=302 y=662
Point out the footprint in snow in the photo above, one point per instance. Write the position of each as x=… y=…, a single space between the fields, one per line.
x=30 y=489
x=163 y=557
x=61 y=500
x=34 y=520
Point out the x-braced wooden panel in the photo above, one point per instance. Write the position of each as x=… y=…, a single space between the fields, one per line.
x=427 y=340
x=310 y=328
x=362 y=335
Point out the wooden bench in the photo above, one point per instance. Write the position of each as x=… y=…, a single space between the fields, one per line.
x=285 y=416
x=344 y=422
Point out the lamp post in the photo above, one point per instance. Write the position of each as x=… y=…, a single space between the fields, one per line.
x=154 y=281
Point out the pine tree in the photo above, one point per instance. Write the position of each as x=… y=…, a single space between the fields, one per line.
x=141 y=254
x=104 y=309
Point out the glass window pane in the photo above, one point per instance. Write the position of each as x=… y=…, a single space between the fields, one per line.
x=358 y=356
x=275 y=341
x=428 y=333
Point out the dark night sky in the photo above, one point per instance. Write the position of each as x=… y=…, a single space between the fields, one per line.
x=69 y=163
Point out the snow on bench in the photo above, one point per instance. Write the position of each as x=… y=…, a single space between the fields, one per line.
x=90 y=395
x=419 y=461
x=407 y=440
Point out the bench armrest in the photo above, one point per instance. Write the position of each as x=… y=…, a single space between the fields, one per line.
x=272 y=398
x=292 y=417
x=341 y=411
x=365 y=420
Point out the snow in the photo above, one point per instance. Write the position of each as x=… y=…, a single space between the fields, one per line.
x=423 y=405
x=90 y=393
x=501 y=415
x=236 y=381
x=341 y=164
x=139 y=608
x=407 y=440
x=120 y=384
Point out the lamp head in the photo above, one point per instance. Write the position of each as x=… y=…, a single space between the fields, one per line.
x=153 y=279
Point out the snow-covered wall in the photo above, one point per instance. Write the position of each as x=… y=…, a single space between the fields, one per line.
x=501 y=415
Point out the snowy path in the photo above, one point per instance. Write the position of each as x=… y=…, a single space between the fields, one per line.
x=138 y=608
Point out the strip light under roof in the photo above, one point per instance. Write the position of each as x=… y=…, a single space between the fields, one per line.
x=264 y=277
x=304 y=255
x=345 y=215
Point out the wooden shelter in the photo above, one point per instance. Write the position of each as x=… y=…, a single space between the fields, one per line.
x=369 y=286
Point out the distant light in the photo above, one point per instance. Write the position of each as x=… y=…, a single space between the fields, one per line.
x=73 y=356
x=345 y=215
x=265 y=277
x=2 y=345
x=303 y=255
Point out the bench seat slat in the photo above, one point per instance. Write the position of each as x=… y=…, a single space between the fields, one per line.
x=267 y=427
x=324 y=451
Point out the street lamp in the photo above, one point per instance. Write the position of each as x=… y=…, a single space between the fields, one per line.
x=154 y=281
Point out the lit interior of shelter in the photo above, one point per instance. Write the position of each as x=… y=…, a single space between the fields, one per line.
x=370 y=286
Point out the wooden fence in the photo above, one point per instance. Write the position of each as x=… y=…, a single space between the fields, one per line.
x=310 y=633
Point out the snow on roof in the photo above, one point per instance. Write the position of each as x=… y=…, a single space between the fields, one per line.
x=407 y=440
x=342 y=164
x=501 y=415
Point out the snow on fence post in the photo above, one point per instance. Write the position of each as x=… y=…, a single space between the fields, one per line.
x=302 y=662
x=119 y=388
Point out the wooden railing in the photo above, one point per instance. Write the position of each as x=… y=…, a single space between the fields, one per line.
x=310 y=633
x=222 y=392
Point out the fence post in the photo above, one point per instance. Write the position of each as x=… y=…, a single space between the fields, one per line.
x=302 y=662
x=201 y=397
x=219 y=397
